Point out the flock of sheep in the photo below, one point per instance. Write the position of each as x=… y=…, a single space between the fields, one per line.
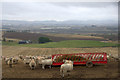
x=33 y=61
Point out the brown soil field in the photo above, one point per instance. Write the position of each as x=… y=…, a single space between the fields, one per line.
x=35 y=36
x=14 y=51
x=21 y=70
x=74 y=36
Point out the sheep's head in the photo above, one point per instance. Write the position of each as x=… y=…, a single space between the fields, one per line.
x=11 y=59
x=68 y=61
x=65 y=61
x=109 y=56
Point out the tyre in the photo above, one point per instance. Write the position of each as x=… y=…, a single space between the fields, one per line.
x=89 y=64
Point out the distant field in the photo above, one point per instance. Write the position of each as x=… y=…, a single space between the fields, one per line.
x=54 y=37
x=65 y=44
x=75 y=36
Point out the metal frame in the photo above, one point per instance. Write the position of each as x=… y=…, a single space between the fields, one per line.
x=95 y=58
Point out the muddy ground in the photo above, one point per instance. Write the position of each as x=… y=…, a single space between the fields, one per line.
x=20 y=70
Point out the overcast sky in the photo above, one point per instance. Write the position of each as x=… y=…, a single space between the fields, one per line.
x=59 y=11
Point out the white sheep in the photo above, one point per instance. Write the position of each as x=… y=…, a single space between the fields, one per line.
x=21 y=57
x=6 y=60
x=67 y=66
x=36 y=58
x=15 y=60
x=27 y=60
x=40 y=59
x=111 y=57
x=48 y=56
x=3 y=57
x=32 y=64
x=45 y=62
x=10 y=62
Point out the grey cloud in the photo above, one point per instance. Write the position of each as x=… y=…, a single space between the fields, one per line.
x=60 y=11
x=86 y=4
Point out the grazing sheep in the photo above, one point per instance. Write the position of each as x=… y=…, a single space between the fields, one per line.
x=6 y=60
x=15 y=60
x=45 y=62
x=108 y=56
x=3 y=57
x=40 y=59
x=27 y=60
x=10 y=62
x=48 y=57
x=66 y=67
x=111 y=57
x=21 y=57
x=32 y=64
x=30 y=56
x=36 y=59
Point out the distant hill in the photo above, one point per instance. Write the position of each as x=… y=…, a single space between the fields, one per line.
x=68 y=22
x=69 y=26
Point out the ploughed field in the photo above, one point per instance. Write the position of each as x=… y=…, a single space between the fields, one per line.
x=55 y=38
x=22 y=70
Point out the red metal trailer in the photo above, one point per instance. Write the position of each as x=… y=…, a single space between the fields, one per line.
x=81 y=58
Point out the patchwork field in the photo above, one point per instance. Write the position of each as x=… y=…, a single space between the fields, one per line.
x=62 y=44
x=54 y=37
x=21 y=70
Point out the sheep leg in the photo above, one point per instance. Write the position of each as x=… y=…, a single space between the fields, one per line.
x=63 y=75
x=10 y=65
x=43 y=66
x=32 y=67
x=68 y=74
x=6 y=62
x=50 y=66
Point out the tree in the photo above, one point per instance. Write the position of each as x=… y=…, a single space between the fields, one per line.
x=4 y=39
x=44 y=40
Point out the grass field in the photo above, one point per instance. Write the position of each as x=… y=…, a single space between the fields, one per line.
x=65 y=44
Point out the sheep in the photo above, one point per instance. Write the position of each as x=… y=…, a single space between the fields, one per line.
x=39 y=58
x=32 y=64
x=6 y=60
x=45 y=62
x=27 y=60
x=67 y=66
x=15 y=60
x=110 y=56
x=21 y=57
x=10 y=62
x=36 y=59
x=3 y=57
x=30 y=56
x=48 y=57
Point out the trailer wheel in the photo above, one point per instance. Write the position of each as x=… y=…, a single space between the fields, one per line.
x=89 y=64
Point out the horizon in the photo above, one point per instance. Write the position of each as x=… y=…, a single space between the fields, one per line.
x=55 y=20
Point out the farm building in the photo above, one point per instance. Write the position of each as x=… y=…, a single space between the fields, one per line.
x=25 y=42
